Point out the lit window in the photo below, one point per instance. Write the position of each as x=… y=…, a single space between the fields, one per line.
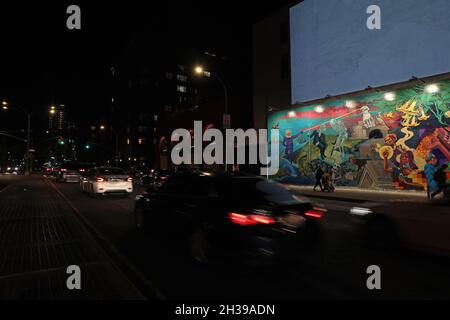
x=128 y=141
x=141 y=141
x=155 y=117
x=182 y=89
x=181 y=77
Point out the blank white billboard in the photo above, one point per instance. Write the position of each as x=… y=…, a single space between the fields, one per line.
x=334 y=52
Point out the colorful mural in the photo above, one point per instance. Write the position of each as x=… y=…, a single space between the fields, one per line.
x=378 y=140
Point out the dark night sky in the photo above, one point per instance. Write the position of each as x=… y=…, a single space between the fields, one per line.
x=42 y=62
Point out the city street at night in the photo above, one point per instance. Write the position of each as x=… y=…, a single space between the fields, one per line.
x=221 y=159
x=336 y=271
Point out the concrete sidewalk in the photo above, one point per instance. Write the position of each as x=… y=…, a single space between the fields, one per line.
x=360 y=195
x=40 y=237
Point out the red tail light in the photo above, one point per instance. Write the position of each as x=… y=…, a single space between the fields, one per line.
x=314 y=213
x=63 y=170
x=99 y=179
x=129 y=179
x=82 y=170
x=249 y=220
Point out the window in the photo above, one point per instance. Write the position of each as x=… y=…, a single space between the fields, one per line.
x=182 y=89
x=181 y=77
x=155 y=117
x=284 y=32
x=169 y=75
x=284 y=67
x=141 y=141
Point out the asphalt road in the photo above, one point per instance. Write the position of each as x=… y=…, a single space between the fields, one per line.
x=337 y=270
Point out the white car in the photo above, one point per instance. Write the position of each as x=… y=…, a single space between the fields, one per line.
x=106 y=180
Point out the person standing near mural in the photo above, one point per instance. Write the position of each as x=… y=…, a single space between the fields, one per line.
x=440 y=176
x=319 y=176
x=429 y=171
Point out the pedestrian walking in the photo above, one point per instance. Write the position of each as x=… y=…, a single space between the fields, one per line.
x=319 y=176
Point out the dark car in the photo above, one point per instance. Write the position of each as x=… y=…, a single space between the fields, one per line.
x=72 y=171
x=155 y=178
x=216 y=215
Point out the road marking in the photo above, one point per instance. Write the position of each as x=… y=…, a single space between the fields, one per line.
x=110 y=246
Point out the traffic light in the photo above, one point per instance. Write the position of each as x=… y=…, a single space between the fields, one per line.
x=87 y=146
x=61 y=141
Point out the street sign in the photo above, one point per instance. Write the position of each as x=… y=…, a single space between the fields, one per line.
x=227 y=121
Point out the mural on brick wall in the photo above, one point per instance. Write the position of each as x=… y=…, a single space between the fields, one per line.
x=379 y=140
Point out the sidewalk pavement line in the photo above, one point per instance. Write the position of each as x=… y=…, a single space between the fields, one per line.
x=42 y=271
x=6 y=187
x=110 y=246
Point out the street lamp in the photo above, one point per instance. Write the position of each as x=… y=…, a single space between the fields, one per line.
x=199 y=70
x=116 y=134
x=29 y=114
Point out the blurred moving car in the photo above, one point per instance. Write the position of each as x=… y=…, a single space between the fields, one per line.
x=10 y=170
x=155 y=178
x=222 y=215
x=420 y=226
x=107 y=180
x=71 y=171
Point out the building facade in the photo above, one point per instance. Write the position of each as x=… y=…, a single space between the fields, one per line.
x=379 y=138
x=271 y=65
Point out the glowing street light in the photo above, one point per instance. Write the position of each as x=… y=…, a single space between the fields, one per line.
x=199 y=70
x=319 y=109
x=350 y=104
x=4 y=105
x=431 y=88
x=292 y=114
x=102 y=127
x=389 y=96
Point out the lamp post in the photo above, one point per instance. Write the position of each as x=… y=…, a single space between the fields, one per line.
x=116 y=134
x=201 y=72
x=226 y=118
x=29 y=114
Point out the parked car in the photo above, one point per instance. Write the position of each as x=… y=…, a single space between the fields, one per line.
x=217 y=215
x=107 y=181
